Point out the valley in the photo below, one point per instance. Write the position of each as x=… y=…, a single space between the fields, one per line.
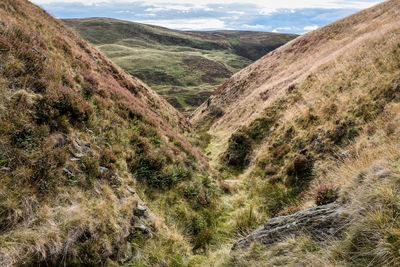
x=183 y=67
x=290 y=162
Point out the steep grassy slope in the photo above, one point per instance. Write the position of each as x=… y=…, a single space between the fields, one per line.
x=184 y=67
x=293 y=133
x=84 y=146
x=81 y=142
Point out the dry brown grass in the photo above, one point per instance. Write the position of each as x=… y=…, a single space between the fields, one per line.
x=340 y=110
x=66 y=111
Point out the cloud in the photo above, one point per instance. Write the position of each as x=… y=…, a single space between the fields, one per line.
x=268 y=5
x=256 y=27
x=166 y=8
x=281 y=29
x=188 y=24
x=236 y=12
x=311 y=28
x=290 y=16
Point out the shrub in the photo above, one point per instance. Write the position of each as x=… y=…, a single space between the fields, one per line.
x=40 y=85
x=326 y=195
x=92 y=167
x=64 y=102
x=239 y=148
x=108 y=158
x=4 y=161
x=299 y=171
x=153 y=171
x=345 y=131
x=90 y=85
x=23 y=138
x=191 y=192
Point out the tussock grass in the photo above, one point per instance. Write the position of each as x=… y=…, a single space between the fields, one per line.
x=80 y=140
x=331 y=121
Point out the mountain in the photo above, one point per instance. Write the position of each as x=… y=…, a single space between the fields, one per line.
x=184 y=67
x=313 y=122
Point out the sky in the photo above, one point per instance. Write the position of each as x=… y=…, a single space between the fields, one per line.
x=283 y=16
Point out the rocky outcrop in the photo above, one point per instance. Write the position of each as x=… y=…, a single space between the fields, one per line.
x=321 y=223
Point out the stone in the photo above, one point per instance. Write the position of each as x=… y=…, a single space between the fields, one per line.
x=130 y=189
x=141 y=211
x=80 y=151
x=103 y=170
x=68 y=172
x=145 y=230
x=321 y=223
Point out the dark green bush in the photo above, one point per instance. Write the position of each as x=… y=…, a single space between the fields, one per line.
x=23 y=138
x=299 y=171
x=239 y=148
x=191 y=192
x=344 y=132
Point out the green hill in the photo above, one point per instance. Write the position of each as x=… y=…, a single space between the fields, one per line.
x=184 y=67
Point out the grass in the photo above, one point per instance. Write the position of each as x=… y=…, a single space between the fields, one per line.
x=82 y=144
x=184 y=67
x=77 y=136
x=293 y=154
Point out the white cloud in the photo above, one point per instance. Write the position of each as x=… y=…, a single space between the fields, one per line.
x=236 y=12
x=188 y=24
x=267 y=6
x=311 y=28
x=273 y=7
x=279 y=29
x=167 y=8
x=256 y=27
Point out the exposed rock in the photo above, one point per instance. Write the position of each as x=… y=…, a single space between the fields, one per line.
x=80 y=151
x=321 y=223
x=141 y=211
x=145 y=230
x=130 y=189
x=67 y=171
x=103 y=170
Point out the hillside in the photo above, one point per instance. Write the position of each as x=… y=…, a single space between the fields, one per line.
x=89 y=156
x=291 y=162
x=290 y=133
x=184 y=67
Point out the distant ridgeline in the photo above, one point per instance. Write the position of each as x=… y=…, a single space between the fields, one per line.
x=184 y=67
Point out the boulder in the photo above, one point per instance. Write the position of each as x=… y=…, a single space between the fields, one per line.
x=321 y=223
